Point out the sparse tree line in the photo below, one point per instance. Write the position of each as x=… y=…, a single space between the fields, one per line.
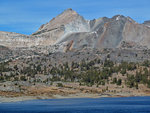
x=89 y=73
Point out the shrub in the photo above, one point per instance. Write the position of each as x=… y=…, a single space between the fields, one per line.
x=59 y=85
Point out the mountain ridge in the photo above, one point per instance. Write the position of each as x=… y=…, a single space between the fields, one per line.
x=71 y=28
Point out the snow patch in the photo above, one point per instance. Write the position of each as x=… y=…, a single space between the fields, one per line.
x=147 y=25
x=118 y=18
x=88 y=21
x=94 y=32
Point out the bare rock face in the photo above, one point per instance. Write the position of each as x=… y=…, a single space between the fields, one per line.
x=111 y=32
x=121 y=28
x=10 y=39
x=138 y=33
x=13 y=40
x=66 y=23
x=69 y=31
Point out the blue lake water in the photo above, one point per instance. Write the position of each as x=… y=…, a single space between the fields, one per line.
x=80 y=105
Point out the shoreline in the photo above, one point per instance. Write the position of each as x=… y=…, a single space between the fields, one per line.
x=4 y=99
x=70 y=90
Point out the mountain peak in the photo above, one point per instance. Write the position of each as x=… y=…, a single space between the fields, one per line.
x=118 y=17
x=69 y=11
x=66 y=17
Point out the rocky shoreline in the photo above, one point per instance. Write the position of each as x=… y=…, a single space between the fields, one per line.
x=4 y=99
x=69 y=90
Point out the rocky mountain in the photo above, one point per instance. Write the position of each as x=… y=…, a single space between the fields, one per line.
x=66 y=23
x=111 y=33
x=69 y=30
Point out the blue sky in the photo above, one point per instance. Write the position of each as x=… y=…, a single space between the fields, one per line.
x=26 y=16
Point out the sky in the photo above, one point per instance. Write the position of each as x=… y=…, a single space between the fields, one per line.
x=26 y=16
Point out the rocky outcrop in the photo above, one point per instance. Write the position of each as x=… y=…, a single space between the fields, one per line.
x=12 y=40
